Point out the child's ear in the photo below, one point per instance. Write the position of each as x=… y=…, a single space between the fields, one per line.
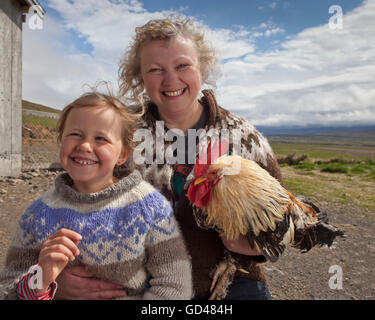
x=122 y=158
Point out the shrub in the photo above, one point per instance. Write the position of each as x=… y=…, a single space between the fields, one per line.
x=306 y=166
x=334 y=168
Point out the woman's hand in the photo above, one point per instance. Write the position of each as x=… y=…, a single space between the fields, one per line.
x=76 y=283
x=241 y=246
x=56 y=252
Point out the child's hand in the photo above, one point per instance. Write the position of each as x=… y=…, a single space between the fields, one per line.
x=56 y=252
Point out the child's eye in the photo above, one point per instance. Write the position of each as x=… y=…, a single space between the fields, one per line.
x=75 y=134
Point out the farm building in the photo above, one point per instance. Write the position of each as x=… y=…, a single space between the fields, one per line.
x=12 y=16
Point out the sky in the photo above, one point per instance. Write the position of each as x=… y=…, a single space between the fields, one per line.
x=282 y=62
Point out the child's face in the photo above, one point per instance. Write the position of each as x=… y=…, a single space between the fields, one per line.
x=91 y=146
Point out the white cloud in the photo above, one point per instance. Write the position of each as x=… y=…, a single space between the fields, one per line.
x=271 y=32
x=272 y=5
x=318 y=76
x=54 y=71
x=265 y=29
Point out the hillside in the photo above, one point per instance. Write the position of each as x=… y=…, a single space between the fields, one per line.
x=37 y=107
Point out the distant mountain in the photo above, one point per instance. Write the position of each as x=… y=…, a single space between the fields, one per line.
x=38 y=107
x=267 y=131
x=271 y=131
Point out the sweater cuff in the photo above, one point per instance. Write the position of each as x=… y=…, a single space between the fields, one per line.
x=24 y=291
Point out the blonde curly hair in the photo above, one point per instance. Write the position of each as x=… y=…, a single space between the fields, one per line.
x=130 y=79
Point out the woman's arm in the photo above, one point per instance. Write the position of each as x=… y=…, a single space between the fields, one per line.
x=76 y=283
x=241 y=246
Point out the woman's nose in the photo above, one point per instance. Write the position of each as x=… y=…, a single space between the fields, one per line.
x=170 y=77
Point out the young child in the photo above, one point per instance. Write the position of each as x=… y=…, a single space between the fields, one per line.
x=122 y=230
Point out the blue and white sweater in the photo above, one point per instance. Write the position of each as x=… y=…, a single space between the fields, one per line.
x=129 y=237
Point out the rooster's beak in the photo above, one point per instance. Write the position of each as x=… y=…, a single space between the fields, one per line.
x=199 y=181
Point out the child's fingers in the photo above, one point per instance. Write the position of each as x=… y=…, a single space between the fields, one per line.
x=50 y=251
x=53 y=256
x=72 y=235
x=62 y=241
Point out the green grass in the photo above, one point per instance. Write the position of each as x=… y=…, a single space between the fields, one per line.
x=308 y=166
x=365 y=169
x=299 y=185
x=334 y=171
x=345 y=189
x=326 y=156
x=44 y=122
x=334 y=168
x=322 y=151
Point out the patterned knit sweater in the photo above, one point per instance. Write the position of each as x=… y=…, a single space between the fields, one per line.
x=129 y=237
x=205 y=246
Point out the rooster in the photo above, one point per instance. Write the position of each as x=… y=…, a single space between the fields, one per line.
x=235 y=197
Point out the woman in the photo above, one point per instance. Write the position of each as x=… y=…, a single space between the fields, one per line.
x=165 y=68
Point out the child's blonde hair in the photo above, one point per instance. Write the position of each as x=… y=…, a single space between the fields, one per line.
x=130 y=78
x=96 y=99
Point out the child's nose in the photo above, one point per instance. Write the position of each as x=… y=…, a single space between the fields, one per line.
x=85 y=146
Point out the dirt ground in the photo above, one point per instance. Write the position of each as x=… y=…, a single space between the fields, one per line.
x=294 y=276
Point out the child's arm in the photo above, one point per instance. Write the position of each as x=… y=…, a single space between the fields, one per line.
x=22 y=255
x=168 y=262
x=56 y=252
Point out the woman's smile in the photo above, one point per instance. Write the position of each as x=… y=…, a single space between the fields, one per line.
x=174 y=93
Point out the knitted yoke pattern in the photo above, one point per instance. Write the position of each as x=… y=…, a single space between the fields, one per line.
x=129 y=237
x=205 y=246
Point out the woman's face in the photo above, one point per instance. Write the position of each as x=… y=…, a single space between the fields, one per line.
x=171 y=74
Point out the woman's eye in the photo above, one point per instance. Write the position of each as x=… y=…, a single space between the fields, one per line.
x=101 y=139
x=182 y=66
x=154 y=70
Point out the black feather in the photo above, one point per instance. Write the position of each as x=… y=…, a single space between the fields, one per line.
x=319 y=235
x=269 y=241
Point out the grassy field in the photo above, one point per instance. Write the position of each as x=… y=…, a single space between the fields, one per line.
x=322 y=150
x=340 y=169
x=48 y=123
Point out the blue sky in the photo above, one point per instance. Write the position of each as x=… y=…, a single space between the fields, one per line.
x=291 y=16
x=281 y=62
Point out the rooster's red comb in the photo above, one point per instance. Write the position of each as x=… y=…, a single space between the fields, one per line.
x=206 y=158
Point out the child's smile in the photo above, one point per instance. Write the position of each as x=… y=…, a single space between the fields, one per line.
x=83 y=161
